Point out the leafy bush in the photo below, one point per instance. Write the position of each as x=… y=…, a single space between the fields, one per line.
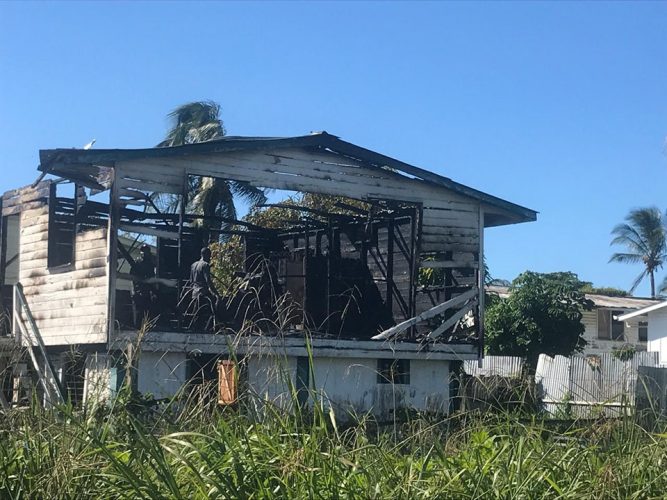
x=541 y=315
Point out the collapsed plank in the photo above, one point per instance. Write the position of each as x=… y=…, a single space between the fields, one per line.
x=429 y=313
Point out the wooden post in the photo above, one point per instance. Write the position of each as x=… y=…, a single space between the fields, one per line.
x=181 y=220
x=304 y=268
x=480 y=284
x=329 y=268
x=389 y=275
x=415 y=230
x=112 y=254
x=20 y=382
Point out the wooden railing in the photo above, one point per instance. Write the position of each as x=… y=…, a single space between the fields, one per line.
x=27 y=334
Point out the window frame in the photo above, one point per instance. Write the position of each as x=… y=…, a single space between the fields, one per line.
x=393 y=371
x=642 y=325
x=53 y=262
x=606 y=325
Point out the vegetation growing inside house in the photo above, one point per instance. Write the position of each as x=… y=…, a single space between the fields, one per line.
x=541 y=315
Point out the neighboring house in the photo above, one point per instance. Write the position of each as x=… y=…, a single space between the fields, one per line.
x=655 y=318
x=603 y=332
x=378 y=340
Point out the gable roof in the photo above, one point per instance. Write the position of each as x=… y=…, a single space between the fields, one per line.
x=599 y=301
x=86 y=166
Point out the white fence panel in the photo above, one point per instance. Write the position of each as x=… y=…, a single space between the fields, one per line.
x=588 y=385
x=501 y=366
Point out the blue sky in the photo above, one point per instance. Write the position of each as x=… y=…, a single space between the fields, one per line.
x=560 y=107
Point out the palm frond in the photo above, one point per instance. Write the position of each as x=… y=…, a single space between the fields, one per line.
x=644 y=235
x=662 y=289
x=252 y=194
x=214 y=198
x=194 y=122
x=626 y=258
x=638 y=280
x=628 y=236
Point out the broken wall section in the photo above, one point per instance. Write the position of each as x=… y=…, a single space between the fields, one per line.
x=70 y=301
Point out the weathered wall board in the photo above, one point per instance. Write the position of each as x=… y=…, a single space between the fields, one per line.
x=69 y=303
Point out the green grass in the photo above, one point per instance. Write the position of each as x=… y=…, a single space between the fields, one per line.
x=202 y=451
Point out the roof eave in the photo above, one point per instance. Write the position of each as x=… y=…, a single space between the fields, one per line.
x=55 y=161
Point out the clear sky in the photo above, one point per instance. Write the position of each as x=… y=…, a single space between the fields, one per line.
x=560 y=107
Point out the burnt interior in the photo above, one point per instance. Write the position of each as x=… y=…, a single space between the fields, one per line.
x=348 y=272
x=345 y=275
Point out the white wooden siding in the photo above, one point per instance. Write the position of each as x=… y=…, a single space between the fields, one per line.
x=69 y=304
x=450 y=221
x=657 y=333
x=599 y=346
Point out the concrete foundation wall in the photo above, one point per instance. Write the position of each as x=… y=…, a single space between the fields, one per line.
x=349 y=385
x=161 y=374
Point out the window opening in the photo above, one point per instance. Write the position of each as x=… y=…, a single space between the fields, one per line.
x=393 y=371
x=62 y=224
x=608 y=327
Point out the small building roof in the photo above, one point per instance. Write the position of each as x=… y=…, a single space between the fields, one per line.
x=643 y=311
x=620 y=302
x=601 y=301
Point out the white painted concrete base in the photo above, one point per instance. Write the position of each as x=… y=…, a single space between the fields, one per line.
x=348 y=384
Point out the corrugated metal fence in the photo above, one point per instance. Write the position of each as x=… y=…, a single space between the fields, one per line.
x=652 y=391
x=497 y=384
x=500 y=366
x=589 y=385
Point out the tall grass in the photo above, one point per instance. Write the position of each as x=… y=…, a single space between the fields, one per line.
x=204 y=451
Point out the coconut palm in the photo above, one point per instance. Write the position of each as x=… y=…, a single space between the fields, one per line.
x=663 y=287
x=644 y=236
x=200 y=122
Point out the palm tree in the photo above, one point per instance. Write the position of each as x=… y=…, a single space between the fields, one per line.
x=644 y=236
x=200 y=122
x=663 y=287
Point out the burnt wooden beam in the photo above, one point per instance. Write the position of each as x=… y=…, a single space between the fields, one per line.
x=389 y=275
x=126 y=254
x=298 y=208
x=430 y=313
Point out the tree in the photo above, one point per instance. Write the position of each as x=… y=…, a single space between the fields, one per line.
x=200 y=122
x=541 y=315
x=644 y=236
x=609 y=291
x=663 y=287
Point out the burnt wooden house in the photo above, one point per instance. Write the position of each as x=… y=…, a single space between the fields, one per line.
x=382 y=295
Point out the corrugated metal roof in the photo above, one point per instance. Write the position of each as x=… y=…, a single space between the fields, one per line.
x=598 y=300
x=620 y=302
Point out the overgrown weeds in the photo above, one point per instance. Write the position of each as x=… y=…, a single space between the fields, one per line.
x=199 y=451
